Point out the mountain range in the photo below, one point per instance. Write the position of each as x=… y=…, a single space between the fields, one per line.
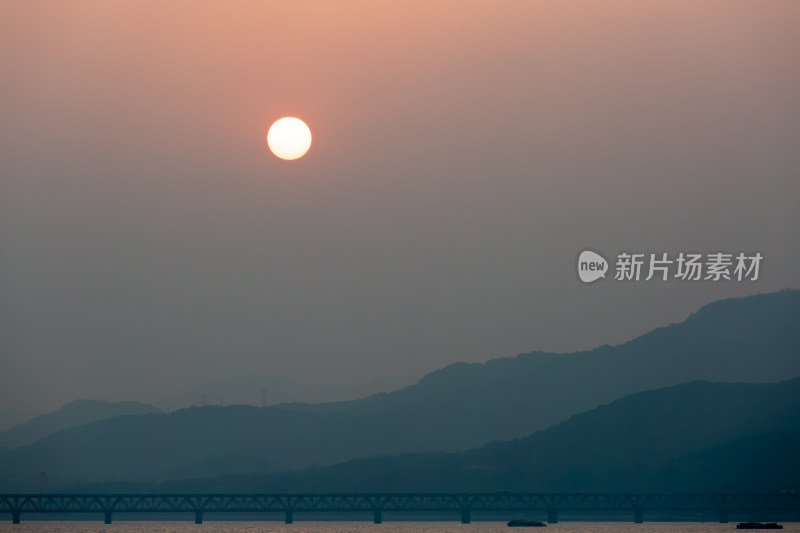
x=754 y=339
x=73 y=414
x=700 y=436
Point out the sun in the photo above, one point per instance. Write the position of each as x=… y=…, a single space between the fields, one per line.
x=289 y=138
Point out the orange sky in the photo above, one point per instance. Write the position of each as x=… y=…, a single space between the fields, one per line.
x=464 y=152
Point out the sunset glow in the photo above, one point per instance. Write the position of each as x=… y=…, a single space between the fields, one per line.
x=289 y=138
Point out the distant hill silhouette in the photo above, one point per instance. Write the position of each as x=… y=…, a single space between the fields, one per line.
x=695 y=437
x=753 y=339
x=73 y=414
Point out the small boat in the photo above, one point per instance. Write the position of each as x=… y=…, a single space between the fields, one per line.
x=759 y=525
x=526 y=523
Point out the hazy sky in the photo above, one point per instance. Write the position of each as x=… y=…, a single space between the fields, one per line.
x=464 y=154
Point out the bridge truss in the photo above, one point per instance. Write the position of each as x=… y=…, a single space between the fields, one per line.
x=463 y=503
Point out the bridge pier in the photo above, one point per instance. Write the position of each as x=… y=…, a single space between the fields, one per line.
x=289 y=518
x=15 y=517
x=465 y=518
x=377 y=517
x=198 y=517
x=723 y=516
x=638 y=516
x=107 y=517
x=552 y=516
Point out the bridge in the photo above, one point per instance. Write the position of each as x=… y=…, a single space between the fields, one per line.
x=376 y=504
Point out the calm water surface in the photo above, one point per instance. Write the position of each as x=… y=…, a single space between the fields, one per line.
x=368 y=527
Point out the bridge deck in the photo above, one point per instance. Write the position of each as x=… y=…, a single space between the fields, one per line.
x=463 y=503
